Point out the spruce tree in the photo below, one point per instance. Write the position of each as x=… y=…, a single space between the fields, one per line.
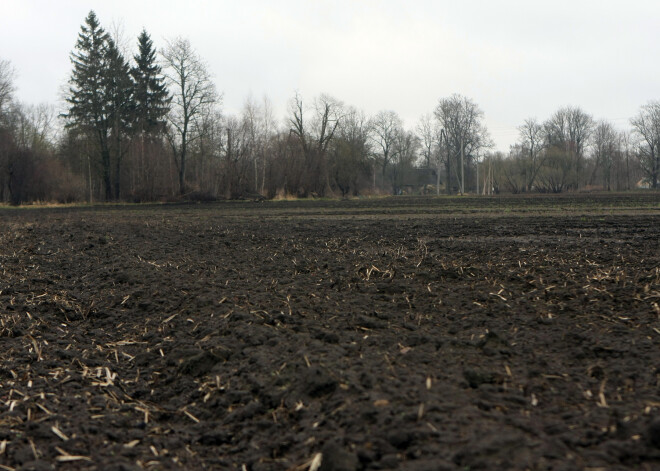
x=100 y=99
x=88 y=110
x=151 y=95
x=119 y=94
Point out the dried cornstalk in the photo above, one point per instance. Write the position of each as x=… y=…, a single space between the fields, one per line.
x=59 y=433
x=316 y=462
x=65 y=457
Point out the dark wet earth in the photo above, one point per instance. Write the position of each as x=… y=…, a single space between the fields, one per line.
x=398 y=334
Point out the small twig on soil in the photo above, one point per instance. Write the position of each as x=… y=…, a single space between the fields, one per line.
x=316 y=462
x=145 y=412
x=37 y=350
x=109 y=378
x=195 y=419
x=312 y=465
x=422 y=247
x=59 y=433
x=170 y=318
x=122 y=343
x=420 y=411
x=498 y=295
x=601 y=395
x=66 y=457
x=34 y=450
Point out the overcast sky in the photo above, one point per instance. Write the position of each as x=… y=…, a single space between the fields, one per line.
x=515 y=58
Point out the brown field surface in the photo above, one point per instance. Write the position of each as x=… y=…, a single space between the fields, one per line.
x=396 y=333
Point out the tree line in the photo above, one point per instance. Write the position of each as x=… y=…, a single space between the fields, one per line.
x=152 y=128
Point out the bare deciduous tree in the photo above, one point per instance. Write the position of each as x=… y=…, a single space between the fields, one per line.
x=433 y=146
x=406 y=145
x=646 y=126
x=258 y=121
x=557 y=171
x=329 y=113
x=426 y=129
x=625 y=143
x=314 y=137
x=466 y=135
x=350 y=167
x=513 y=169
x=385 y=129
x=605 y=145
x=569 y=130
x=531 y=140
x=7 y=75
x=193 y=93
x=297 y=121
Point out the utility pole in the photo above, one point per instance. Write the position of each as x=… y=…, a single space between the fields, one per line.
x=437 y=177
x=489 y=178
x=477 y=161
x=437 y=173
x=462 y=168
x=627 y=168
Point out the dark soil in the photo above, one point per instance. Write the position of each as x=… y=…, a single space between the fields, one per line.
x=414 y=334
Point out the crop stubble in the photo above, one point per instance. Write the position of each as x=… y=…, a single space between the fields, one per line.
x=391 y=334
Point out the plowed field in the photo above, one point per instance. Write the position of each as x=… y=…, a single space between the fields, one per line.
x=400 y=333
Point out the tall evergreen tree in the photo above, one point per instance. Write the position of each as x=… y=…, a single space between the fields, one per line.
x=100 y=99
x=119 y=93
x=87 y=107
x=151 y=97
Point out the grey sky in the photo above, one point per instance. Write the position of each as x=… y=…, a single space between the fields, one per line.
x=516 y=59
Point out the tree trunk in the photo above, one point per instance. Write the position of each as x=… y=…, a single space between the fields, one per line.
x=89 y=175
x=655 y=157
x=117 y=182
x=182 y=166
x=107 y=181
x=448 y=176
x=462 y=168
x=182 y=188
